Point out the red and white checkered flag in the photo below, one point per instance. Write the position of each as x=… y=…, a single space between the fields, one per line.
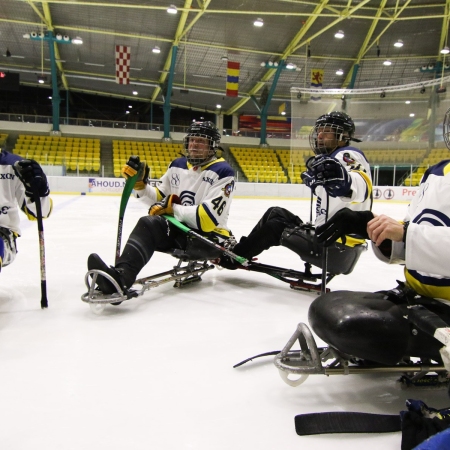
x=123 y=55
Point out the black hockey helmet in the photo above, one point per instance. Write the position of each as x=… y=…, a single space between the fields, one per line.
x=205 y=130
x=337 y=121
x=446 y=128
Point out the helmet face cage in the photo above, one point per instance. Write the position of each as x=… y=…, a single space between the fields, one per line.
x=335 y=122
x=446 y=129
x=206 y=130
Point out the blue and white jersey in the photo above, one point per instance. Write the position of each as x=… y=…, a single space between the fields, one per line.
x=358 y=168
x=205 y=193
x=426 y=253
x=13 y=198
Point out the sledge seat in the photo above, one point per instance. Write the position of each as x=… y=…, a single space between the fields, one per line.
x=196 y=250
x=341 y=259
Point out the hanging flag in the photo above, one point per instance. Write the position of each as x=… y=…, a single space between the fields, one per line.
x=123 y=54
x=232 y=78
x=316 y=82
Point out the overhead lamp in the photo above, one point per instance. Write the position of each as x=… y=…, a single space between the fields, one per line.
x=77 y=40
x=408 y=102
x=291 y=66
x=58 y=36
x=422 y=90
x=41 y=79
x=445 y=50
x=339 y=72
x=224 y=58
x=399 y=43
x=135 y=92
x=258 y=22
x=441 y=90
x=172 y=9
x=339 y=34
x=383 y=94
x=8 y=53
x=218 y=106
x=283 y=113
x=412 y=115
x=387 y=63
x=156 y=49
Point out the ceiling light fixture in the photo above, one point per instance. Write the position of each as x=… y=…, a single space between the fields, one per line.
x=339 y=35
x=41 y=79
x=412 y=115
x=387 y=63
x=172 y=9
x=77 y=40
x=339 y=72
x=258 y=22
x=445 y=50
x=422 y=90
x=408 y=102
x=8 y=53
x=135 y=92
x=383 y=94
x=399 y=44
x=224 y=58
x=218 y=106
x=156 y=49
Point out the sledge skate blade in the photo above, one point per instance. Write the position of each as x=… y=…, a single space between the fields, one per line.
x=96 y=296
x=328 y=361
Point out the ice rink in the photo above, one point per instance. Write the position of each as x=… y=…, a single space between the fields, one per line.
x=157 y=372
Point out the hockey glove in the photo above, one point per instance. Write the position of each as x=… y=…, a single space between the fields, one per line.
x=31 y=175
x=132 y=167
x=164 y=206
x=330 y=173
x=345 y=221
x=308 y=177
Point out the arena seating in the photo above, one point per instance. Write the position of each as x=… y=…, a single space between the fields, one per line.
x=157 y=155
x=3 y=139
x=75 y=153
x=259 y=164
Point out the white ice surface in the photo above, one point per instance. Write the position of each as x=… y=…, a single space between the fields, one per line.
x=156 y=372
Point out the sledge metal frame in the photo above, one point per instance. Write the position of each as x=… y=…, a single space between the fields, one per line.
x=311 y=360
x=303 y=281
x=189 y=273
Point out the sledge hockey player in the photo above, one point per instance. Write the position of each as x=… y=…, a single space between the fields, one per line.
x=196 y=189
x=339 y=175
x=18 y=178
x=388 y=326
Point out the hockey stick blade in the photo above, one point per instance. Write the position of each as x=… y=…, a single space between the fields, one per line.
x=37 y=201
x=240 y=259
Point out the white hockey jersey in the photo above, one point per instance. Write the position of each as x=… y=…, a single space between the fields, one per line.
x=205 y=193
x=361 y=197
x=426 y=254
x=13 y=198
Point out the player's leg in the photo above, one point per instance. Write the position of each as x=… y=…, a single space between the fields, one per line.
x=371 y=326
x=150 y=234
x=8 y=249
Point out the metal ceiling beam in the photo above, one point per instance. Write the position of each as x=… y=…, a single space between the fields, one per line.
x=288 y=51
x=167 y=65
x=352 y=72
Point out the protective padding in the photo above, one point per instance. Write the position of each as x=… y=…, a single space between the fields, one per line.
x=196 y=250
x=341 y=259
x=366 y=325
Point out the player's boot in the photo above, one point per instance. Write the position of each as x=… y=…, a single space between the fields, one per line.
x=96 y=263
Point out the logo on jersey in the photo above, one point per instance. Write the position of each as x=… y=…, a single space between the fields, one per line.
x=175 y=180
x=208 y=180
x=433 y=217
x=187 y=198
x=228 y=189
x=348 y=159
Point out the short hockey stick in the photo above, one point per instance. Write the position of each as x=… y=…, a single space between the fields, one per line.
x=240 y=259
x=127 y=190
x=37 y=200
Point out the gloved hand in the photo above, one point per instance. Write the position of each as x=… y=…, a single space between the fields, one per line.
x=134 y=166
x=30 y=173
x=345 y=221
x=309 y=180
x=164 y=206
x=331 y=174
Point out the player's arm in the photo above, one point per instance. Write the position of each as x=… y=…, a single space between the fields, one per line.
x=31 y=177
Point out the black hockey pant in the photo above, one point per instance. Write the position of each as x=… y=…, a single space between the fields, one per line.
x=151 y=233
x=267 y=232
